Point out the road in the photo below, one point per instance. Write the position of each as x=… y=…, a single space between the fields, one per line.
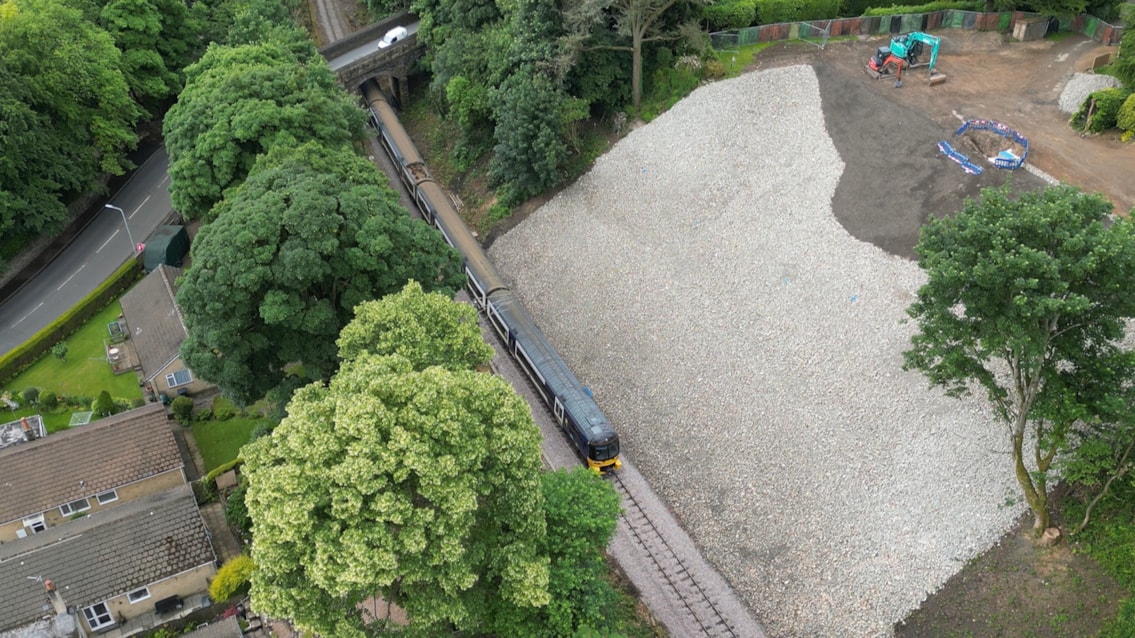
x=370 y=49
x=92 y=257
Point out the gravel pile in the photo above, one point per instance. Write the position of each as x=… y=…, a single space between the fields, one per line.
x=1081 y=86
x=749 y=352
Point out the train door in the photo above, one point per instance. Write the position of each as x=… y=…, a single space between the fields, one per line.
x=476 y=289
x=558 y=409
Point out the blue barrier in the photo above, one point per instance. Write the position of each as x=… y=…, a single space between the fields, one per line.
x=967 y=166
x=1004 y=159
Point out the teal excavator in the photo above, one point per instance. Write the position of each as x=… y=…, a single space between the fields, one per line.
x=906 y=51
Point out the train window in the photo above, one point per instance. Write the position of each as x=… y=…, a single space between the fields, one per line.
x=476 y=288
x=498 y=323
x=604 y=452
x=523 y=356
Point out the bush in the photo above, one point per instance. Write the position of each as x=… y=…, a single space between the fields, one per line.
x=1125 y=119
x=223 y=412
x=182 y=408
x=231 y=578
x=930 y=7
x=774 y=11
x=235 y=511
x=104 y=405
x=49 y=400
x=137 y=402
x=31 y=395
x=1100 y=110
x=203 y=415
x=260 y=431
x=205 y=491
x=60 y=351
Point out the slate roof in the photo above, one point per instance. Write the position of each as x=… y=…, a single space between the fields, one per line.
x=154 y=320
x=85 y=460
x=104 y=555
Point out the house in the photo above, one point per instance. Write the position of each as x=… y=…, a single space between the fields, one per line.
x=156 y=329
x=118 y=571
x=110 y=462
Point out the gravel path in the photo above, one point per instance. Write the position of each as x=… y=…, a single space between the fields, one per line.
x=1081 y=86
x=748 y=349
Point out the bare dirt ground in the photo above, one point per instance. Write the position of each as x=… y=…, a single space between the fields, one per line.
x=895 y=178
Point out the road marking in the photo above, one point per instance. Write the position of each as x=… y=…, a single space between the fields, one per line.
x=164 y=180
x=27 y=315
x=112 y=236
x=139 y=207
x=71 y=277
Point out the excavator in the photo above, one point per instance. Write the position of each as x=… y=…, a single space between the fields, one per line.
x=906 y=51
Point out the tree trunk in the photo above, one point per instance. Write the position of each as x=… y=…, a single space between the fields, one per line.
x=636 y=67
x=1037 y=499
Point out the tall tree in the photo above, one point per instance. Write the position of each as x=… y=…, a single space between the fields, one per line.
x=157 y=39
x=66 y=114
x=426 y=329
x=313 y=233
x=421 y=486
x=238 y=102
x=1027 y=299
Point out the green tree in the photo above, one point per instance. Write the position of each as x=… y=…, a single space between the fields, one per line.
x=157 y=39
x=419 y=486
x=59 y=350
x=310 y=235
x=238 y=103
x=427 y=329
x=182 y=408
x=1026 y=299
x=104 y=405
x=581 y=510
x=65 y=111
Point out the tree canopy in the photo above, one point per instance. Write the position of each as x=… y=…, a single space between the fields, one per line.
x=426 y=329
x=66 y=114
x=1027 y=300
x=420 y=486
x=309 y=236
x=238 y=102
x=157 y=39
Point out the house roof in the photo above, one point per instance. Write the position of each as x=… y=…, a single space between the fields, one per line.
x=104 y=555
x=156 y=326
x=85 y=460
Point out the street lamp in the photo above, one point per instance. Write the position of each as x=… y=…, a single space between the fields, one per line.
x=133 y=246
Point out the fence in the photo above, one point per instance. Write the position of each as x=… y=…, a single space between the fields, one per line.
x=818 y=31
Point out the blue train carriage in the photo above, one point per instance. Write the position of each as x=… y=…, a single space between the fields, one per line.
x=576 y=412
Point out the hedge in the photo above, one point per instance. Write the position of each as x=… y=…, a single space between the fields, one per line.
x=221 y=469
x=30 y=351
x=774 y=11
x=723 y=16
x=1125 y=119
x=930 y=7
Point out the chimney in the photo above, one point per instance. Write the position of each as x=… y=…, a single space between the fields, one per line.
x=54 y=597
x=29 y=433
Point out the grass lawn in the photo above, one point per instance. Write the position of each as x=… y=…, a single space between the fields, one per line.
x=53 y=421
x=220 y=441
x=85 y=372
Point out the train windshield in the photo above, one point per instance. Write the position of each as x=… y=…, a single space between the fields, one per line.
x=605 y=451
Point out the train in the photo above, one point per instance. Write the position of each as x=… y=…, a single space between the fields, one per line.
x=572 y=405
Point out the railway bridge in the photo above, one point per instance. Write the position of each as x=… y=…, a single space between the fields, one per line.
x=357 y=58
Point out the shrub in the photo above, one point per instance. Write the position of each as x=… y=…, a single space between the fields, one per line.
x=31 y=395
x=231 y=578
x=1100 y=110
x=773 y=11
x=930 y=7
x=205 y=491
x=203 y=415
x=223 y=412
x=260 y=431
x=1125 y=119
x=49 y=400
x=724 y=16
x=60 y=351
x=235 y=511
x=104 y=405
x=137 y=402
x=182 y=408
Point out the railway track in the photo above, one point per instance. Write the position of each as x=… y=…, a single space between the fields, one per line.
x=671 y=569
x=330 y=20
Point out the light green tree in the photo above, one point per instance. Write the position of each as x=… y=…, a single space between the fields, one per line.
x=313 y=233
x=422 y=487
x=1026 y=299
x=427 y=329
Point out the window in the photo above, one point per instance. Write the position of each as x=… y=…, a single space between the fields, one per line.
x=181 y=377
x=75 y=507
x=107 y=497
x=138 y=595
x=35 y=523
x=98 y=616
